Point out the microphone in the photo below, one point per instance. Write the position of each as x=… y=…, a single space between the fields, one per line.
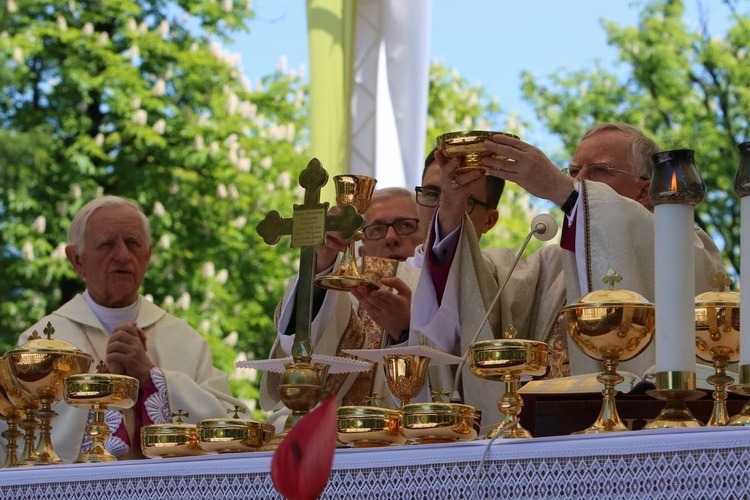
x=543 y=228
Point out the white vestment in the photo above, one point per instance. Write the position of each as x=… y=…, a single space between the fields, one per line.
x=611 y=232
x=194 y=385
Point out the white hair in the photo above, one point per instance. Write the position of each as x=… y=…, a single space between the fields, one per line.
x=77 y=230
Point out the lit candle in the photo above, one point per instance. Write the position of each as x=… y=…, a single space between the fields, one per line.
x=676 y=187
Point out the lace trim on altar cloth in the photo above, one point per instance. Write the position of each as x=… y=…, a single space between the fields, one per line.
x=721 y=473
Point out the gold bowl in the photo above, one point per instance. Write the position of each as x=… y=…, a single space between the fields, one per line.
x=493 y=359
x=427 y=423
x=231 y=435
x=119 y=391
x=170 y=440
x=717 y=325
x=369 y=426
x=470 y=145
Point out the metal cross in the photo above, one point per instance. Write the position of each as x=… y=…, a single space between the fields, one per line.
x=721 y=282
x=179 y=415
x=237 y=410
x=611 y=278
x=308 y=227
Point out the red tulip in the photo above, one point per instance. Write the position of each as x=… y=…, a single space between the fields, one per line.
x=302 y=463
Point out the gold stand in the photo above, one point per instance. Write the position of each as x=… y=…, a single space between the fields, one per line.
x=300 y=389
x=743 y=388
x=608 y=420
x=720 y=380
x=675 y=388
x=12 y=434
x=510 y=405
x=29 y=424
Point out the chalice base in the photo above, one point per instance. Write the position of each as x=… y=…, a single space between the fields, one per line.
x=675 y=414
x=344 y=283
x=507 y=431
x=96 y=454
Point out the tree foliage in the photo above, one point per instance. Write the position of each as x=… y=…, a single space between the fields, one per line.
x=683 y=85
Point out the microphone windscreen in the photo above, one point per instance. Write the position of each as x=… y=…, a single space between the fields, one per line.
x=544 y=227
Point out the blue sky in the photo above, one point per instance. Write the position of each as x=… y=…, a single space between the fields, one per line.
x=488 y=41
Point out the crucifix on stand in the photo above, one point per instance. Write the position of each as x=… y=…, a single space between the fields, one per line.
x=302 y=382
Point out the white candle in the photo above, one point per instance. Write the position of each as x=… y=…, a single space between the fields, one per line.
x=674 y=288
x=745 y=282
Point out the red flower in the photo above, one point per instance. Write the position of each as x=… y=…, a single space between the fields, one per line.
x=302 y=463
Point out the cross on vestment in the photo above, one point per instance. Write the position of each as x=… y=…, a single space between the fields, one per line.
x=308 y=227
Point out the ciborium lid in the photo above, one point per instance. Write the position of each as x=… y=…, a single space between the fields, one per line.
x=177 y=427
x=37 y=342
x=610 y=297
x=721 y=297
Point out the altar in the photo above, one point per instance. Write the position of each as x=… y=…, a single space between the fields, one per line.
x=711 y=462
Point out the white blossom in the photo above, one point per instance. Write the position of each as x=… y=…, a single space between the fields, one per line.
x=233 y=192
x=62 y=24
x=39 y=224
x=136 y=103
x=133 y=53
x=226 y=5
x=75 y=191
x=184 y=301
x=194 y=47
x=240 y=222
x=18 y=55
x=27 y=251
x=62 y=208
x=174 y=188
x=140 y=117
x=168 y=302
x=205 y=325
x=222 y=276
x=165 y=242
x=199 y=142
x=159 y=87
x=214 y=148
x=245 y=83
x=99 y=192
x=282 y=65
x=243 y=165
x=132 y=25
x=232 y=103
x=149 y=297
x=103 y=38
x=59 y=252
x=142 y=28
x=160 y=126
x=163 y=28
x=159 y=210
x=12 y=8
x=208 y=270
x=285 y=180
x=231 y=339
x=266 y=162
x=99 y=139
x=221 y=190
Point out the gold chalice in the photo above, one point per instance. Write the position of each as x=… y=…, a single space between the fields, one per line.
x=354 y=190
x=717 y=339
x=405 y=375
x=610 y=326
x=177 y=439
x=11 y=413
x=100 y=391
x=38 y=368
x=470 y=145
x=369 y=426
x=232 y=435
x=506 y=360
x=29 y=424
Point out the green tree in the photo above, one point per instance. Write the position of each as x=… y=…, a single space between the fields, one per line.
x=685 y=87
x=138 y=98
x=455 y=104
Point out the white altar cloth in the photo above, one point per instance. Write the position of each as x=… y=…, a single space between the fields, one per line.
x=690 y=463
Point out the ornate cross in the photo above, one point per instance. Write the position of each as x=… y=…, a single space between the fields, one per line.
x=237 y=410
x=179 y=415
x=308 y=227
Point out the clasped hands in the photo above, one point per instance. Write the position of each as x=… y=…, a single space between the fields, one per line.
x=126 y=353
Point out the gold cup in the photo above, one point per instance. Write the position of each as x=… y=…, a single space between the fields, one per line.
x=717 y=340
x=505 y=360
x=354 y=190
x=427 y=423
x=374 y=269
x=369 y=426
x=610 y=326
x=405 y=375
x=38 y=368
x=232 y=435
x=100 y=391
x=177 y=439
x=470 y=145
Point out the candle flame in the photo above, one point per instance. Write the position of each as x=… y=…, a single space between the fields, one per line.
x=673 y=186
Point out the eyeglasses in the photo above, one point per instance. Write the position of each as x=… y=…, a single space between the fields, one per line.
x=430 y=197
x=401 y=226
x=598 y=172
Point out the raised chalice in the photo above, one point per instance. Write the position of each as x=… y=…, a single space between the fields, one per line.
x=38 y=368
x=356 y=191
x=505 y=360
x=469 y=145
x=100 y=391
x=610 y=326
x=717 y=340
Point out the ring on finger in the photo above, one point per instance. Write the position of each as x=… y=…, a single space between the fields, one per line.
x=455 y=184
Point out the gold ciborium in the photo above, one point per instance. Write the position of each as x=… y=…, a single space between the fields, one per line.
x=438 y=422
x=717 y=340
x=38 y=368
x=369 y=426
x=300 y=389
x=505 y=360
x=610 y=326
x=100 y=391
x=356 y=191
x=176 y=439
x=11 y=413
x=232 y=435
x=470 y=145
